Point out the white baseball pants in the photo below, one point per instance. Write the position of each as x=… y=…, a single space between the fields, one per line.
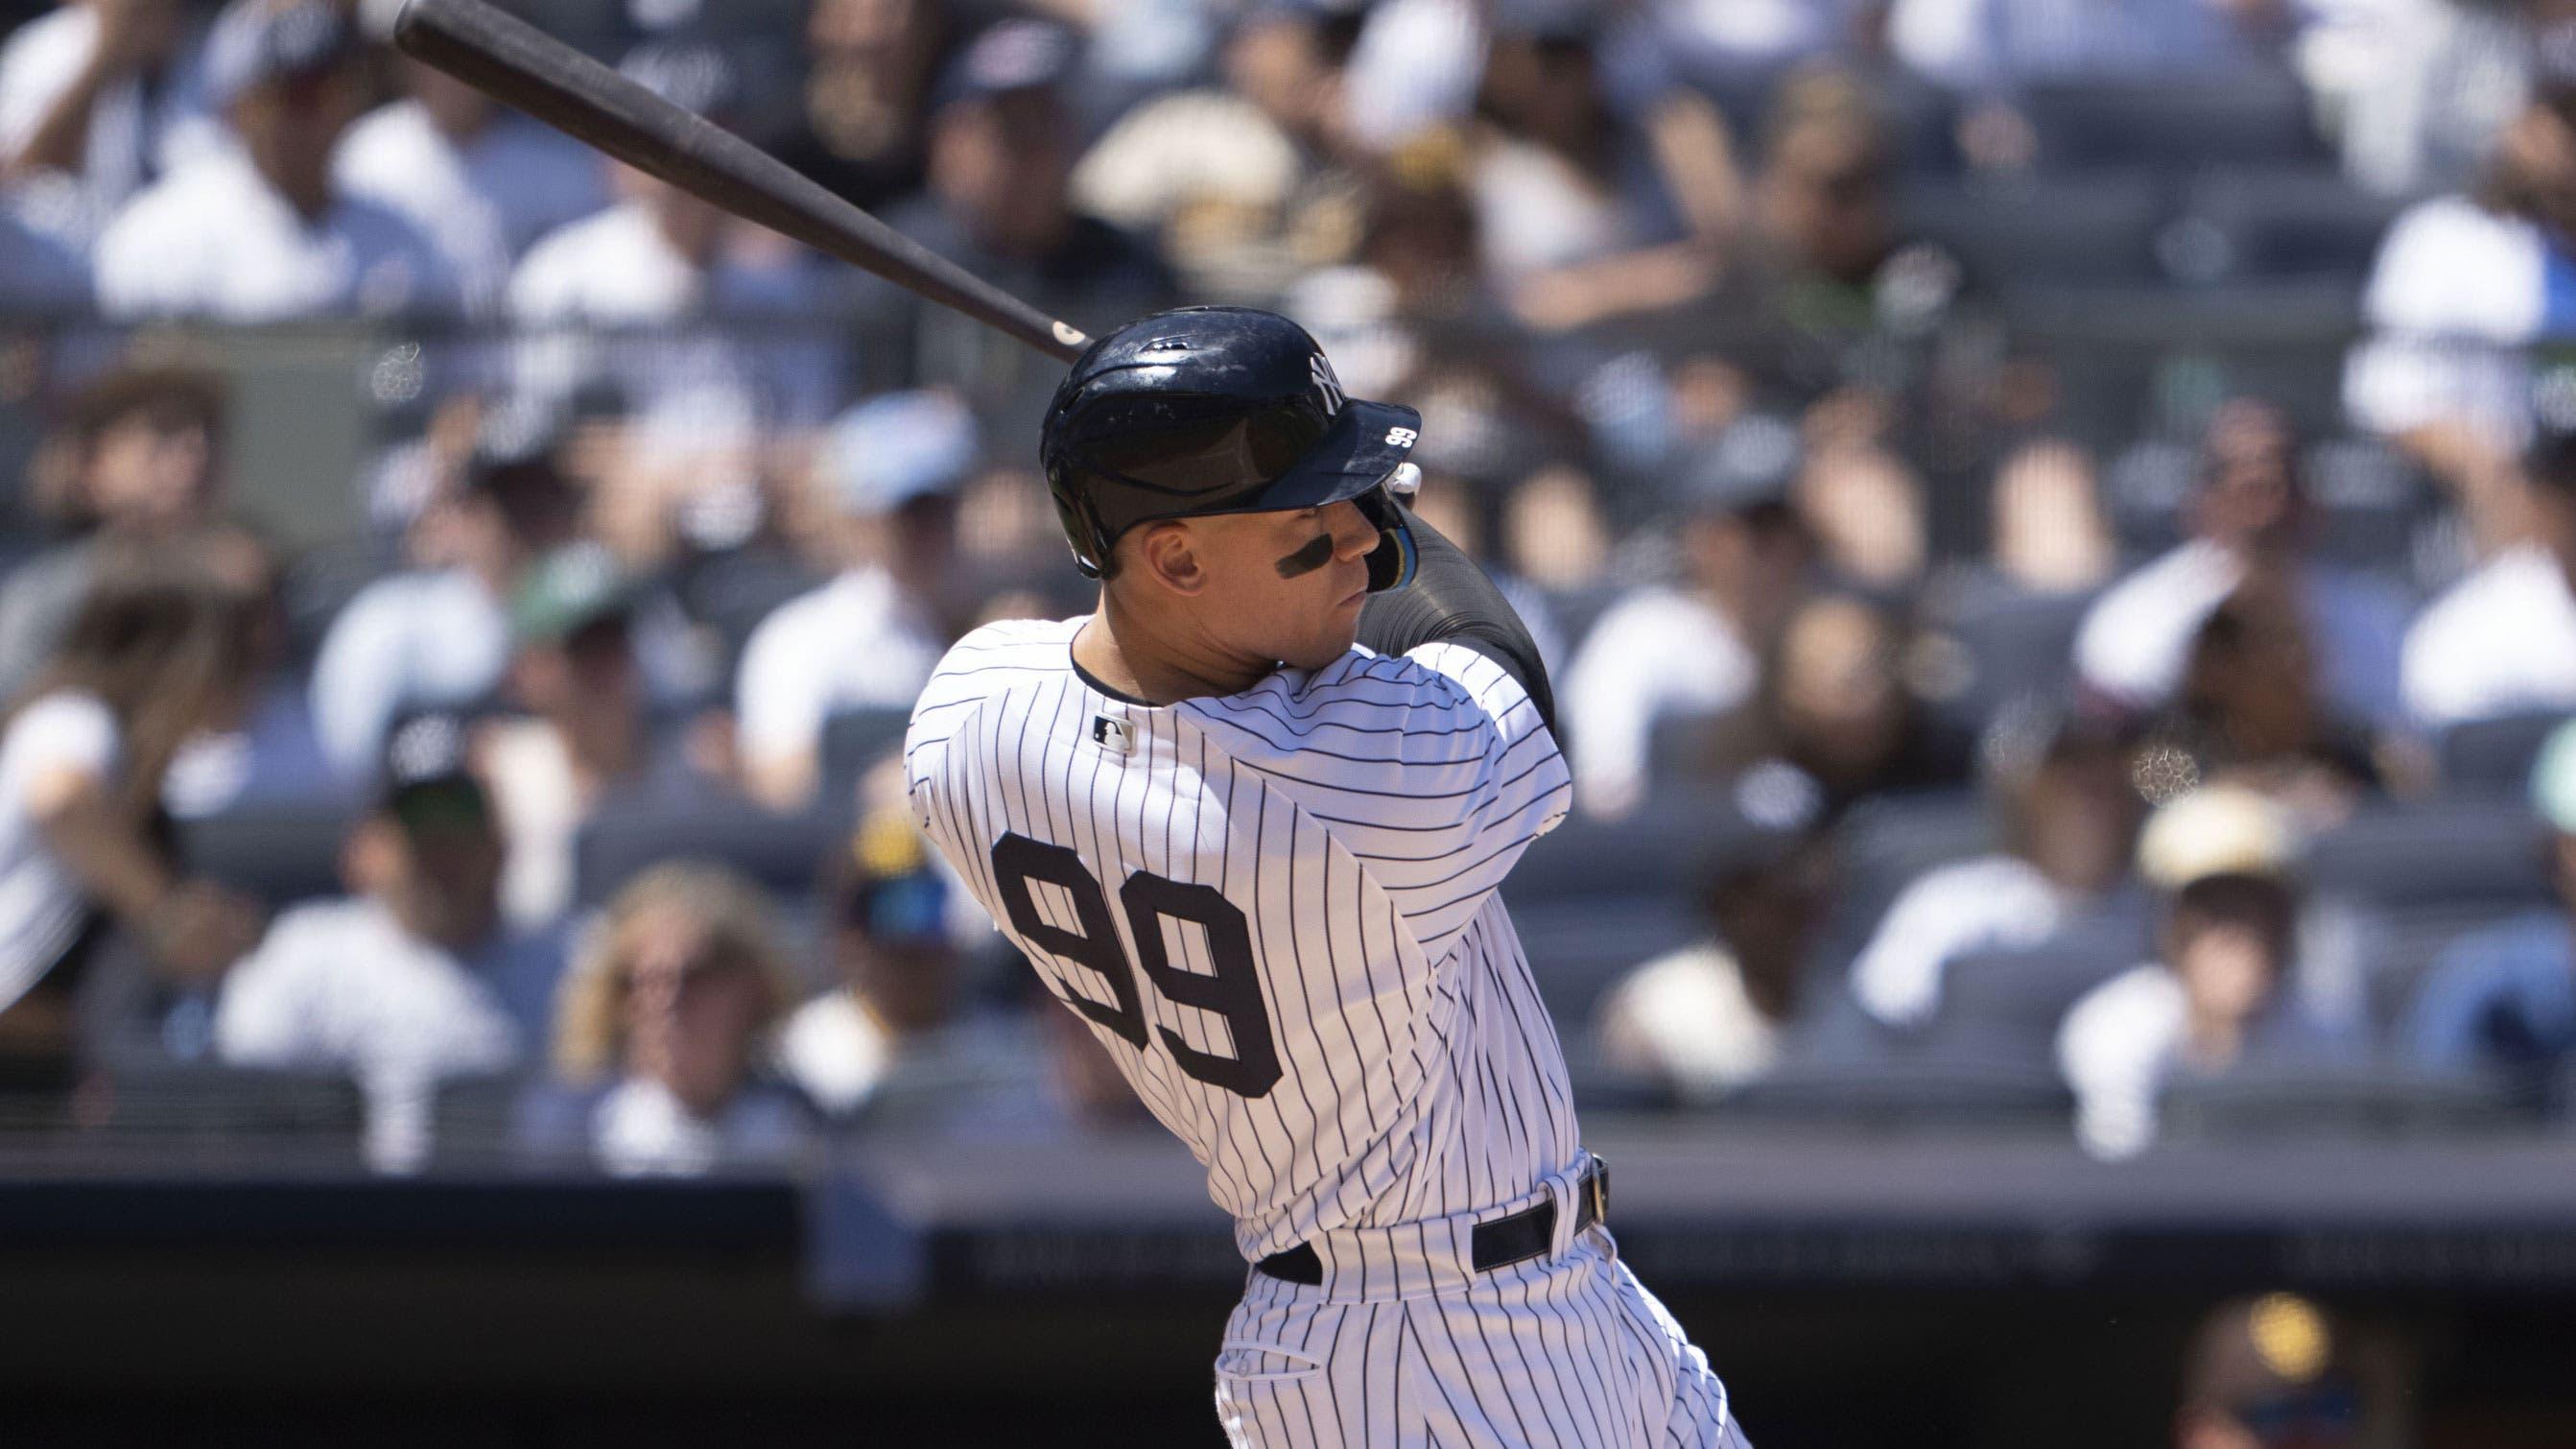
x=1568 y=1350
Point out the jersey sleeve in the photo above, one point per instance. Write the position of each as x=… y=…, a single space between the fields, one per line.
x=1434 y=771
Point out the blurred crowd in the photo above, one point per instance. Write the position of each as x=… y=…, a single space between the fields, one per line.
x=2053 y=525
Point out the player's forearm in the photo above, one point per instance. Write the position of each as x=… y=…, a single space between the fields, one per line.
x=1452 y=601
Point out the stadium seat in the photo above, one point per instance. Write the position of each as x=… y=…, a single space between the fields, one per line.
x=2495 y=755
x=281 y=852
x=1904 y=1093
x=2238 y=118
x=1888 y=840
x=159 y=1105
x=2008 y=644
x=2018 y=233
x=780 y=852
x=475 y=1122
x=2304 y=1100
x=2022 y=995
x=2369 y=505
x=1578 y=949
x=854 y=741
x=2439 y=852
x=2274 y=223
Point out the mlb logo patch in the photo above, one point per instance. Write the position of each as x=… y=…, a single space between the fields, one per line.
x=1112 y=735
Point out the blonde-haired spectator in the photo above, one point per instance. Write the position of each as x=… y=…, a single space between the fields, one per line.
x=662 y=1022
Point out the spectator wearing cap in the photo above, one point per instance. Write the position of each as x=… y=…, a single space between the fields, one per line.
x=2502 y=641
x=664 y=260
x=2059 y=784
x=1249 y=184
x=168 y=644
x=261 y=232
x=2465 y=288
x=896 y=968
x=1696 y=646
x=136 y=458
x=413 y=978
x=586 y=739
x=870 y=637
x=438 y=637
x=480 y=180
x=2223 y=988
x=2248 y=515
x=2277 y=1372
x=1710 y=1017
x=664 y=1029
x=1001 y=161
x=100 y=96
x=2503 y=999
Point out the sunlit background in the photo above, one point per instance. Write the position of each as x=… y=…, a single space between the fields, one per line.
x=2051 y=522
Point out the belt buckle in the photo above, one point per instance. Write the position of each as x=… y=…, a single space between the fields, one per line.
x=1596 y=1187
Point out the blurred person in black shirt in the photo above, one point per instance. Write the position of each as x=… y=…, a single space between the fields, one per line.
x=867 y=96
x=1001 y=157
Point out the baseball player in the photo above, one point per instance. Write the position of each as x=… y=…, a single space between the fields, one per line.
x=1248 y=819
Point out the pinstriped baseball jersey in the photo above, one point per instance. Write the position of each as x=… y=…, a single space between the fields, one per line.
x=1277 y=910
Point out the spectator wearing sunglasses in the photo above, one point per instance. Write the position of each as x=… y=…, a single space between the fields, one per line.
x=412 y=979
x=259 y=232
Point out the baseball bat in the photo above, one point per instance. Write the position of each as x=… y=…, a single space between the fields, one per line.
x=520 y=65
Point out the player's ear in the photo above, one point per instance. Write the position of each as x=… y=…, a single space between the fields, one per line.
x=1170 y=554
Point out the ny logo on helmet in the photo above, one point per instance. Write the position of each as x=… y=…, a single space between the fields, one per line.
x=1325 y=382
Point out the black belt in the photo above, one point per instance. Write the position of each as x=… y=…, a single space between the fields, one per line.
x=1517 y=1238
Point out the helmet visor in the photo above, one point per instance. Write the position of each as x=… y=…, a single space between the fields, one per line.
x=1293 y=456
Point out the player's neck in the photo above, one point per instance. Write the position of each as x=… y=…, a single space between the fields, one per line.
x=1123 y=649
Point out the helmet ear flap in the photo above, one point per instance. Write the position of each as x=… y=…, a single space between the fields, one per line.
x=1082 y=532
x=1392 y=563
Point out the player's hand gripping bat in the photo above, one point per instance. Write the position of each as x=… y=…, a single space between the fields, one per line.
x=524 y=67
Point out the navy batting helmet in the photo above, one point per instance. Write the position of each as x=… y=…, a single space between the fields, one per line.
x=1219 y=410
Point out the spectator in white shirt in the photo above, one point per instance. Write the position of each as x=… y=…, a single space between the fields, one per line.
x=168 y=644
x=260 y=233
x=663 y=1027
x=1998 y=45
x=2503 y=640
x=2070 y=813
x=101 y=96
x=870 y=637
x=1694 y=647
x=439 y=638
x=2234 y=975
x=2465 y=288
x=412 y=980
x=2247 y=513
x=587 y=740
x=1710 y=1017
x=670 y=264
x=482 y=181
x=896 y=964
